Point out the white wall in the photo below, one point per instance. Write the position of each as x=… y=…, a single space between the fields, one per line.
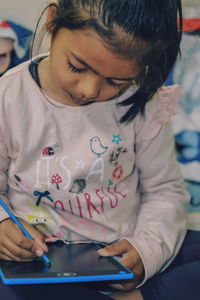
x=191 y=2
x=24 y=12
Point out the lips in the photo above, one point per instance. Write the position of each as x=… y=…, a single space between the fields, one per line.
x=76 y=100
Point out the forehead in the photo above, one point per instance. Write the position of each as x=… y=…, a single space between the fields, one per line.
x=90 y=47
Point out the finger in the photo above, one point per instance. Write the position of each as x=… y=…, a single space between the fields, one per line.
x=22 y=246
x=129 y=259
x=38 y=237
x=6 y=254
x=125 y=286
x=16 y=243
x=41 y=245
x=32 y=246
x=117 y=286
x=116 y=248
x=5 y=257
x=17 y=250
x=36 y=247
x=26 y=250
x=11 y=257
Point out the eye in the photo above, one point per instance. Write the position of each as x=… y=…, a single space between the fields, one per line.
x=117 y=85
x=75 y=69
x=112 y=83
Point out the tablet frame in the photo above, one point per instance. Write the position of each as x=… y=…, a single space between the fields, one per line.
x=46 y=277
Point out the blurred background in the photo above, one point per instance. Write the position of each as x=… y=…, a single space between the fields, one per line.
x=26 y=12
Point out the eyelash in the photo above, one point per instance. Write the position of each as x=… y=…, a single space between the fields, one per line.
x=114 y=84
x=77 y=70
x=74 y=69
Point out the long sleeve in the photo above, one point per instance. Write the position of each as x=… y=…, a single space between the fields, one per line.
x=4 y=163
x=161 y=223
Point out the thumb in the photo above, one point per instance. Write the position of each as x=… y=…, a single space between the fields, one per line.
x=114 y=249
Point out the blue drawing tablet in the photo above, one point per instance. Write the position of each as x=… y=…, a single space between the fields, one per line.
x=69 y=263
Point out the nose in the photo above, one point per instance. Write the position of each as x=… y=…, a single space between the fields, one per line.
x=89 y=86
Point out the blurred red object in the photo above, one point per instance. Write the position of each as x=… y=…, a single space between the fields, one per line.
x=191 y=24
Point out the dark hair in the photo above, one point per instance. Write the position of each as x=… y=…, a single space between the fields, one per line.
x=150 y=31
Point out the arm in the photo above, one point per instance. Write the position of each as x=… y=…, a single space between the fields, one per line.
x=161 y=224
x=13 y=244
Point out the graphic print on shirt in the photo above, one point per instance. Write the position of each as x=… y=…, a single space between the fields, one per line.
x=50 y=149
x=41 y=195
x=78 y=186
x=84 y=186
x=80 y=164
x=97 y=147
x=114 y=156
x=56 y=179
x=110 y=182
x=118 y=173
x=95 y=202
x=114 y=161
x=22 y=184
x=116 y=139
x=42 y=220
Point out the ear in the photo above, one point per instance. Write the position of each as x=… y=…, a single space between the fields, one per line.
x=51 y=13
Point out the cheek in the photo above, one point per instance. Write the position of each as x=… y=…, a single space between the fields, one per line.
x=107 y=91
x=110 y=92
x=64 y=78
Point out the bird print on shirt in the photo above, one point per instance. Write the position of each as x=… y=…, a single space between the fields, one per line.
x=97 y=147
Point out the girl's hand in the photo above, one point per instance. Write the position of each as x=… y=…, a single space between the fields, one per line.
x=130 y=258
x=14 y=245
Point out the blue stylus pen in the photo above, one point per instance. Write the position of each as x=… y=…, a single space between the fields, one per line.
x=25 y=232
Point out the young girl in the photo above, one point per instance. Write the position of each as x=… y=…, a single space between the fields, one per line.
x=86 y=151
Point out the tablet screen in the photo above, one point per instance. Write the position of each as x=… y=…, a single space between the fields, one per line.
x=74 y=262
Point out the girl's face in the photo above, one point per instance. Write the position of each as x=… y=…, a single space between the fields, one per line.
x=80 y=69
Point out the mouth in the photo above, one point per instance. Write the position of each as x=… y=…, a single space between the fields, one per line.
x=76 y=100
x=79 y=101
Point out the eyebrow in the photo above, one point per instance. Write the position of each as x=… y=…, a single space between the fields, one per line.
x=80 y=60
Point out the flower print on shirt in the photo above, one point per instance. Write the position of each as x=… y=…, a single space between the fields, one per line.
x=80 y=164
x=114 y=156
x=116 y=138
x=118 y=173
